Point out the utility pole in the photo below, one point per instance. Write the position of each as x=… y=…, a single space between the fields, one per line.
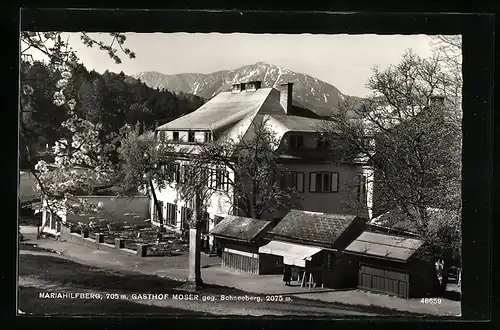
x=194 y=281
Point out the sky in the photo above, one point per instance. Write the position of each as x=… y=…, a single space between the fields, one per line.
x=345 y=61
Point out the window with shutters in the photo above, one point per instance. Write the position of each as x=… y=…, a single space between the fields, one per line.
x=208 y=136
x=323 y=182
x=186 y=214
x=361 y=188
x=155 y=210
x=294 y=180
x=296 y=141
x=220 y=180
x=171 y=214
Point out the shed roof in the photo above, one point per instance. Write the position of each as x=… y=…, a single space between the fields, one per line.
x=314 y=227
x=394 y=247
x=240 y=228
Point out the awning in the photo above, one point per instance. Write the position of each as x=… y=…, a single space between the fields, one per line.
x=293 y=254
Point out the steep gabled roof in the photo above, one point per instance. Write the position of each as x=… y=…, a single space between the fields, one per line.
x=312 y=227
x=230 y=115
x=240 y=228
x=224 y=109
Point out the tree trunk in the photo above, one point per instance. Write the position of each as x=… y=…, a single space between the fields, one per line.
x=194 y=280
x=157 y=203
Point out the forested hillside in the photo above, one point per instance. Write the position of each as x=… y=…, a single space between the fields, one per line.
x=109 y=99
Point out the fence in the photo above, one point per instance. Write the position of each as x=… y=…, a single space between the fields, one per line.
x=99 y=244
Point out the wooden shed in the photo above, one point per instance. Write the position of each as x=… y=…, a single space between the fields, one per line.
x=240 y=239
x=392 y=264
x=311 y=243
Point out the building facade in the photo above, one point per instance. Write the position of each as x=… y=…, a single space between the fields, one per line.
x=323 y=185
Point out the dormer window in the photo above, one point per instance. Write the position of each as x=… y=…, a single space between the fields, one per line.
x=296 y=141
x=191 y=137
x=236 y=88
x=175 y=137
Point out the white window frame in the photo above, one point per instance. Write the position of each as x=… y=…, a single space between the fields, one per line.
x=171 y=214
x=297 y=180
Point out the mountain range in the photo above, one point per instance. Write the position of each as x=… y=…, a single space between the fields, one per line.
x=309 y=92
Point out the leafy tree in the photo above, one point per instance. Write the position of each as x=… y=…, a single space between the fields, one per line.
x=142 y=160
x=79 y=146
x=253 y=187
x=414 y=120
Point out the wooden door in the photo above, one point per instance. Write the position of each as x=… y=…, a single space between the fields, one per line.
x=383 y=280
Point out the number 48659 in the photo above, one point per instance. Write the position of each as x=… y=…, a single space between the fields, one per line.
x=430 y=300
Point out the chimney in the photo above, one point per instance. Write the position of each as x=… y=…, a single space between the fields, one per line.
x=286 y=96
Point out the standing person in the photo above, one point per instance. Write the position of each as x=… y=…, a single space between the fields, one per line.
x=287 y=275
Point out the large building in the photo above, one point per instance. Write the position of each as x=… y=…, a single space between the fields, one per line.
x=323 y=185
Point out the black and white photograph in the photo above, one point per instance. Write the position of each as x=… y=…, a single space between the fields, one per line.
x=240 y=174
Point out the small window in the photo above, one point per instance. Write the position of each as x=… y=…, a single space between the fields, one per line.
x=361 y=189
x=175 y=137
x=161 y=136
x=190 y=136
x=293 y=180
x=220 y=180
x=208 y=136
x=323 y=182
x=296 y=141
x=171 y=214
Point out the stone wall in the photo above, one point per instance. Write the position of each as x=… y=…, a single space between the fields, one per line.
x=98 y=242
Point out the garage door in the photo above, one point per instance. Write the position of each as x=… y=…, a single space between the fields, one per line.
x=383 y=280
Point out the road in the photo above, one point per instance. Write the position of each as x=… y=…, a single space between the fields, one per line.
x=218 y=307
x=47 y=275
